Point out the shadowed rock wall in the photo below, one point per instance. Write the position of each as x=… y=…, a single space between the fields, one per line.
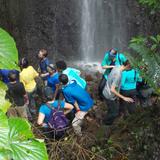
x=56 y=25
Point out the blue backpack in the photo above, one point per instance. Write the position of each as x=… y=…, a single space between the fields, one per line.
x=57 y=119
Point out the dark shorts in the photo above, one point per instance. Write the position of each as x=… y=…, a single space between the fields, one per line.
x=126 y=107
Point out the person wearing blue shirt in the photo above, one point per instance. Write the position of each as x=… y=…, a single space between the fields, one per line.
x=4 y=75
x=128 y=88
x=78 y=97
x=72 y=73
x=111 y=59
x=45 y=111
x=53 y=78
x=44 y=62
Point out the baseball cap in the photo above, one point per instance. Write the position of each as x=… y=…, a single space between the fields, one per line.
x=112 y=55
x=52 y=67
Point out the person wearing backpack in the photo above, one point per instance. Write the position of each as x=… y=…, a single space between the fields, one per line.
x=51 y=114
x=111 y=59
x=79 y=97
x=129 y=81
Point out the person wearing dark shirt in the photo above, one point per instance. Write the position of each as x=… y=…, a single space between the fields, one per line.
x=17 y=95
x=43 y=63
x=4 y=75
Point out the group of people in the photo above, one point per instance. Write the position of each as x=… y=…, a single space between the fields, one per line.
x=121 y=85
x=58 y=79
x=118 y=88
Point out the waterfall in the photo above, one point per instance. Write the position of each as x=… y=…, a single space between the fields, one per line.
x=88 y=30
x=104 y=25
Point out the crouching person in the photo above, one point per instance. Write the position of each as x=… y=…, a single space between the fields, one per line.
x=17 y=95
x=51 y=115
x=78 y=97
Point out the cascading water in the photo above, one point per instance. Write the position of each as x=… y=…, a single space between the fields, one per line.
x=88 y=29
x=103 y=25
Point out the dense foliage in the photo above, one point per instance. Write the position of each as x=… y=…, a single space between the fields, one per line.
x=146 y=57
x=153 y=4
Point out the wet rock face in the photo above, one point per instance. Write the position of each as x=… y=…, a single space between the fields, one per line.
x=56 y=25
x=51 y=24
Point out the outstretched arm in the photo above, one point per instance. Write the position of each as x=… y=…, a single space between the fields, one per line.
x=107 y=67
x=127 y=99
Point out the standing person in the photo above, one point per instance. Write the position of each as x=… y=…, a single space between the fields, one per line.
x=111 y=59
x=111 y=92
x=4 y=75
x=43 y=63
x=78 y=97
x=129 y=81
x=17 y=95
x=53 y=79
x=27 y=77
x=72 y=73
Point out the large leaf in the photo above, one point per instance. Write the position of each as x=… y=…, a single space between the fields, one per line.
x=8 y=51
x=3 y=130
x=17 y=140
x=4 y=104
x=29 y=150
x=18 y=131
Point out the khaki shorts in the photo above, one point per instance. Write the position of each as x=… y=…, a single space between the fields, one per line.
x=18 y=111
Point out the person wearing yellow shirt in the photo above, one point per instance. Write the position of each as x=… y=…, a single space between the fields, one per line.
x=27 y=77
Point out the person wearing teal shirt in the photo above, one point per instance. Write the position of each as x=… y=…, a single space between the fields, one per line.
x=128 y=88
x=111 y=59
x=72 y=73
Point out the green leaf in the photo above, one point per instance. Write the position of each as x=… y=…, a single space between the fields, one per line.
x=158 y=38
x=4 y=104
x=153 y=39
x=17 y=140
x=3 y=130
x=18 y=131
x=29 y=150
x=153 y=47
x=8 y=51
